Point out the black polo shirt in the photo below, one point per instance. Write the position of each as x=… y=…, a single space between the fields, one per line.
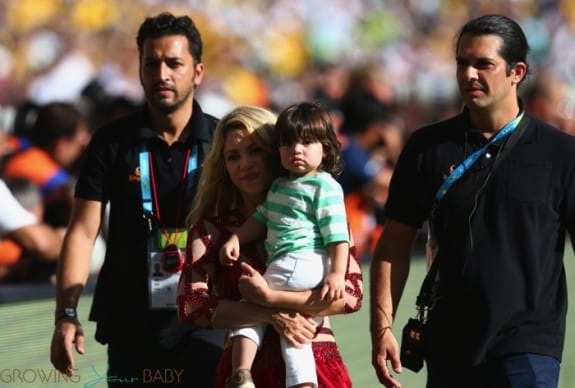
x=110 y=174
x=502 y=281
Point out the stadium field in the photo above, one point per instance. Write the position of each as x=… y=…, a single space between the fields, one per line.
x=26 y=322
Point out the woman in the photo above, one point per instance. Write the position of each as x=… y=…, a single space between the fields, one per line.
x=237 y=173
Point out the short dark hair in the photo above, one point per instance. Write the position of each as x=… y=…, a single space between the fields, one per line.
x=515 y=46
x=56 y=120
x=360 y=109
x=166 y=24
x=310 y=121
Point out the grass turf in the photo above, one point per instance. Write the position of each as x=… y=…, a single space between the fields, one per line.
x=26 y=330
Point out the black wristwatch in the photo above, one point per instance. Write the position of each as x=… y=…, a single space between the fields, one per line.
x=68 y=312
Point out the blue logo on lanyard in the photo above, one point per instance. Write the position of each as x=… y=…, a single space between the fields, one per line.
x=471 y=159
x=145 y=181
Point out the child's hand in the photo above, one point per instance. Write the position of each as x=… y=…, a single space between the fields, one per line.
x=333 y=287
x=230 y=251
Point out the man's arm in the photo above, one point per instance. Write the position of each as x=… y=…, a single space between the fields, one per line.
x=73 y=270
x=74 y=264
x=388 y=274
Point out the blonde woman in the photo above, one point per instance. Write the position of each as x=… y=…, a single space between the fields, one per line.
x=237 y=174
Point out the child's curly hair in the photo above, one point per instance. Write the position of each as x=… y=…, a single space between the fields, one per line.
x=308 y=121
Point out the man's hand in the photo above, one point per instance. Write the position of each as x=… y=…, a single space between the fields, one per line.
x=385 y=348
x=67 y=332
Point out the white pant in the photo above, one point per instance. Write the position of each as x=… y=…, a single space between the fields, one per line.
x=296 y=271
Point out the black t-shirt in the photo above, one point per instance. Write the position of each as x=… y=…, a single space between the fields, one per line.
x=502 y=281
x=110 y=173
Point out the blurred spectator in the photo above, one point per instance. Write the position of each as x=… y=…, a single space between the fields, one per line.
x=330 y=83
x=17 y=122
x=371 y=142
x=550 y=99
x=28 y=195
x=24 y=229
x=65 y=77
x=16 y=263
x=102 y=107
x=58 y=136
x=281 y=53
x=372 y=79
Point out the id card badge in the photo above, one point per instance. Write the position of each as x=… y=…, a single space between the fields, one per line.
x=166 y=257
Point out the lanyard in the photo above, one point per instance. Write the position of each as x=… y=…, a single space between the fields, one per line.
x=471 y=159
x=428 y=293
x=148 y=181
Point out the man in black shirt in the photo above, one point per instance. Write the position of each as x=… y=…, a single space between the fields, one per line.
x=498 y=228
x=145 y=165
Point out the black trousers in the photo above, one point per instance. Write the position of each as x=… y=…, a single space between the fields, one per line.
x=189 y=363
x=516 y=370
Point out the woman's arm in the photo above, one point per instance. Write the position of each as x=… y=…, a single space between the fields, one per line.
x=198 y=301
x=255 y=289
x=199 y=306
x=293 y=326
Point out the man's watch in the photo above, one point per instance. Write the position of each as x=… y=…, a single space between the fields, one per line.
x=68 y=312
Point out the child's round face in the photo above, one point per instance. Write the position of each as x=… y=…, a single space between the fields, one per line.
x=301 y=158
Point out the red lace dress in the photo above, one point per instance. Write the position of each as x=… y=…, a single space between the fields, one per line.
x=204 y=283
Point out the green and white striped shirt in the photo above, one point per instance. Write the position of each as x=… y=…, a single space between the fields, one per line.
x=303 y=213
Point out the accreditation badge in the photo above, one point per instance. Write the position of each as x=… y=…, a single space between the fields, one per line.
x=166 y=257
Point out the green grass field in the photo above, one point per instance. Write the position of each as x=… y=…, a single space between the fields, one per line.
x=352 y=332
x=26 y=330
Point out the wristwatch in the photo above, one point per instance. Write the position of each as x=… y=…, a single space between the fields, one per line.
x=68 y=312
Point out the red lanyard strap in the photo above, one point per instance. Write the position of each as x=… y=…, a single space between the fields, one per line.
x=149 y=161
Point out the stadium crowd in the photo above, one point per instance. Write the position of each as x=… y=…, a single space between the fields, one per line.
x=383 y=68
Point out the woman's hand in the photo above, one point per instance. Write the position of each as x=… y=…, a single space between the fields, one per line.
x=253 y=286
x=294 y=327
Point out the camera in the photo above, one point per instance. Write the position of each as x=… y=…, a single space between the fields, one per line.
x=411 y=354
x=173 y=259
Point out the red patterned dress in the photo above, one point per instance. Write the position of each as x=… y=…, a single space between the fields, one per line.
x=205 y=283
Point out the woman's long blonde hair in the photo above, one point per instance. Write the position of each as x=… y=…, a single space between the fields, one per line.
x=216 y=194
